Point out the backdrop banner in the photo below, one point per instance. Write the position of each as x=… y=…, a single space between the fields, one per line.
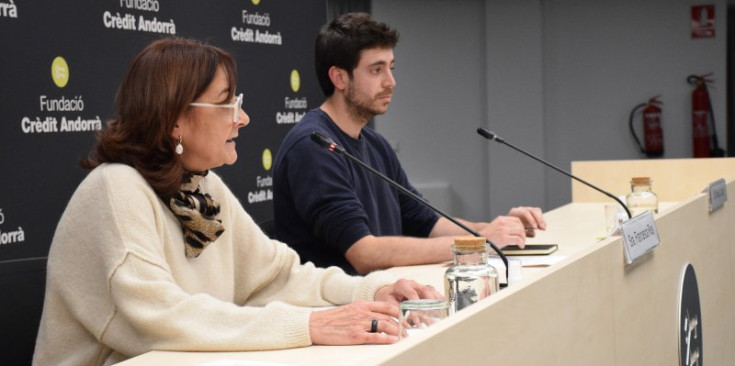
x=62 y=61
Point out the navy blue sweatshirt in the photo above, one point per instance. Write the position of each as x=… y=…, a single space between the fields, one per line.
x=323 y=203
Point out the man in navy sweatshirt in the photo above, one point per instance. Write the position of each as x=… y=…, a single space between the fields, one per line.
x=335 y=213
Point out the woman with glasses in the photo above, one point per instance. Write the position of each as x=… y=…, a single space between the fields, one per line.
x=154 y=252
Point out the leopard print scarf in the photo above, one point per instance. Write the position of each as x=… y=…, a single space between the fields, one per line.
x=197 y=213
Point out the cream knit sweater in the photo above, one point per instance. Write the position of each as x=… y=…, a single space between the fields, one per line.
x=119 y=284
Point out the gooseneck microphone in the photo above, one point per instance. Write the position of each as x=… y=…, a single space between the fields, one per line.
x=492 y=136
x=332 y=146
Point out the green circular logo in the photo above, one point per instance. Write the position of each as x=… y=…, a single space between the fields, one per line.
x=267 y=159
x=60 y=72
x=295 y=80
x=256 y=2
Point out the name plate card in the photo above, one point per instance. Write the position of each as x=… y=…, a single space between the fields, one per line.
x=717 y=194
x=640 y=236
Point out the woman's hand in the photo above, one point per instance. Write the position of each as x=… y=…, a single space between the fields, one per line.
x=352 y=323
x=406 y=290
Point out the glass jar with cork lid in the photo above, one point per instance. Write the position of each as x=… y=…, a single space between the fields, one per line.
x=470 y=278
x=641 y=197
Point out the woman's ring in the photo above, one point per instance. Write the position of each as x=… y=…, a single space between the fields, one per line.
x=374 y=325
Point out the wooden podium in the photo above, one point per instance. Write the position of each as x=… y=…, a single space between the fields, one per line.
x=589 y=308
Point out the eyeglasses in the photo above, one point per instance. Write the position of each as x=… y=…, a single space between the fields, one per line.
x=235 y=106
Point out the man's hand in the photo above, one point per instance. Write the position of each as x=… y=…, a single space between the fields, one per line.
x=521 y=222
x=531 y=217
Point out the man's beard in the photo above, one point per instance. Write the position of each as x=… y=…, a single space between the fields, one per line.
x=361 y=109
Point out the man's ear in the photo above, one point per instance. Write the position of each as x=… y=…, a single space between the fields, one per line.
x=339 y=77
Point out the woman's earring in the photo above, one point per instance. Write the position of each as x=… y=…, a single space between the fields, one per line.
x=179 y=147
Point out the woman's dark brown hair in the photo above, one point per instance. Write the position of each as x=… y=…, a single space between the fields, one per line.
x=159 y=85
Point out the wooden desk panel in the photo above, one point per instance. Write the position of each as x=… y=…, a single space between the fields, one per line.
x=589 y=309
x=673 y=179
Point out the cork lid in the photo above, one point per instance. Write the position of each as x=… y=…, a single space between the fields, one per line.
x=640 y=180
x=470 y=243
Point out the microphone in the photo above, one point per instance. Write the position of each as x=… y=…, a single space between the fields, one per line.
x=493 y=137
x=332 y=146
x=329 y=144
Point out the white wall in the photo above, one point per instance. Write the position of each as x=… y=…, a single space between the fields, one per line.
x=515 y=103
x=601 y=58
x=555 y=77
x=440 y=98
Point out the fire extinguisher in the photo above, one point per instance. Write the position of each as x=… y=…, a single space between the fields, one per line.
x=653 y=135
x=702 y=114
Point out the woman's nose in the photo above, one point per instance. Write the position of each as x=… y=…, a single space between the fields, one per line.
x=242 y=119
